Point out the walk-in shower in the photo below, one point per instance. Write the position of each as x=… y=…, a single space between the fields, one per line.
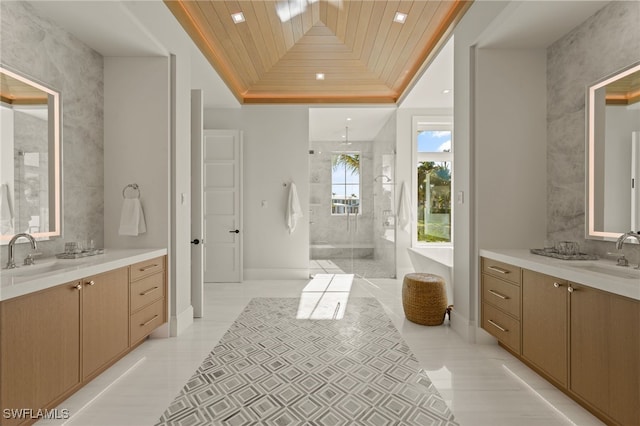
x=351 y=205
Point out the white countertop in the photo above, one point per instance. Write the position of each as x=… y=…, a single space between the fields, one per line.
x=575 y=270
x=49 y=272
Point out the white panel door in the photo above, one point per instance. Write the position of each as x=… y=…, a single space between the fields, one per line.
x=222 y=198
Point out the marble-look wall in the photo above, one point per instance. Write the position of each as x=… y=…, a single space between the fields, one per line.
x=603 y=44
x=40 y=49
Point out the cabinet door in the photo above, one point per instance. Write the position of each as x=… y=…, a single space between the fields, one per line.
x=544 y=323
x=105 y=319
x=605 y=352
x=39 y=348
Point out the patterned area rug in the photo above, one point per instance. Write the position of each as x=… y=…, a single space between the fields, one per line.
x=273 y=369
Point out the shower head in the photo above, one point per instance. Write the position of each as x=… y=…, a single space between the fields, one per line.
x=387 y=178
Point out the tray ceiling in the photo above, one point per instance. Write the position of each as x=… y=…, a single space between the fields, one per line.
x=274 y=55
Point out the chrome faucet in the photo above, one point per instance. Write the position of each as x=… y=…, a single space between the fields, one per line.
x=626 y=236
x=10 y=262
x=622 y=261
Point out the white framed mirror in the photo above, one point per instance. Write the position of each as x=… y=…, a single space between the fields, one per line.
x=30 y=157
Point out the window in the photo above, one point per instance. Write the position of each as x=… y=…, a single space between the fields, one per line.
x=345 y=183
x=433 y=172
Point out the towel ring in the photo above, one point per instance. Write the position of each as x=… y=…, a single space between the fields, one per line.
x=134 y=186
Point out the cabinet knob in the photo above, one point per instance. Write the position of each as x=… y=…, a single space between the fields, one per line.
x=557 y=285
x=92 y=282
x=78 y=287
x=570 y=289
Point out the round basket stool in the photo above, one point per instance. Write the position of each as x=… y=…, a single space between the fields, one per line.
x=424 y=298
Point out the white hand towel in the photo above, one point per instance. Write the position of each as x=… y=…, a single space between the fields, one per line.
x=6 y=210
x=294 y=211
x=132 y=218
x=404 y=209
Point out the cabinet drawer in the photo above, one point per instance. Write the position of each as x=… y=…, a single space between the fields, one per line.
x=148 y=267
x=503 y=270
x=146 y=290
x=501 y=326
x=146 y=320
x=501 y=294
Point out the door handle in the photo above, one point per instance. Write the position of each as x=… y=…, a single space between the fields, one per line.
x=195 y=242
x=237 y=231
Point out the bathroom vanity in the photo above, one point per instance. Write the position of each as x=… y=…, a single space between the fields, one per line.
x=63 y=322
x=576 y=323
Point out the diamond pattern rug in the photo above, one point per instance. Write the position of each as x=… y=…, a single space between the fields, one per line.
x=273 y=369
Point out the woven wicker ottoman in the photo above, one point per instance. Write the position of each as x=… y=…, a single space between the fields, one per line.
x=424 y=298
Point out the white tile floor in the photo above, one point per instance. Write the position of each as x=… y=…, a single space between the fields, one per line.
x=482 y=384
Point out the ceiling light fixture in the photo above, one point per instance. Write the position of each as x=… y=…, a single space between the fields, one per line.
x=320 y=76
x=446 y=91
x=346 y=136
x=237 y=17
x=400 y=17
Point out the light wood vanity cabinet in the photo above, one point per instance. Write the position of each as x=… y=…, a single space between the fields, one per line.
x=54 y=341
x=39 y=349
x=501 y=302
x=605 y=352
x=147 y=291
x=544 y=323
x=105 y=319
x=585 y=341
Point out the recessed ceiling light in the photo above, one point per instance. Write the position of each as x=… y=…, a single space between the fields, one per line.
x=446 y=91
x=237 y=17
x=320 y=76
x=400 y=17
x=348 y=118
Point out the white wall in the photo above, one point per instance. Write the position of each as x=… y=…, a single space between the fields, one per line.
x=136 y=148
x=170 y=36
x=466 y=34
x=276 y=144
x=510 y=143
x=181 y=193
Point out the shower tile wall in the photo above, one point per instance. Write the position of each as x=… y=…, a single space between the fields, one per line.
x=598 y=47
x=331 y=230
x=38 y=48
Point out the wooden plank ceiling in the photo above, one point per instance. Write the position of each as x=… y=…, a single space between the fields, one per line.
x=275 y=54
x=624 y=91
x=16 y=92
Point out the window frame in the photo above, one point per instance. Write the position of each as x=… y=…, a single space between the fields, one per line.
x=334 y=153
x=422 y=123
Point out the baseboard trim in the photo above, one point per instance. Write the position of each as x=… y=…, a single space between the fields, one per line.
x=181 y=322
x=461 y=325
x=276 y=274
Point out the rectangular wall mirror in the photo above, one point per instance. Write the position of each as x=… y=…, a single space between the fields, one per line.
x=30 y=157
x=613 y=155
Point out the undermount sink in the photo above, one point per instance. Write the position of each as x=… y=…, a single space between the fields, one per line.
x=33 y=270
x=616 y=271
